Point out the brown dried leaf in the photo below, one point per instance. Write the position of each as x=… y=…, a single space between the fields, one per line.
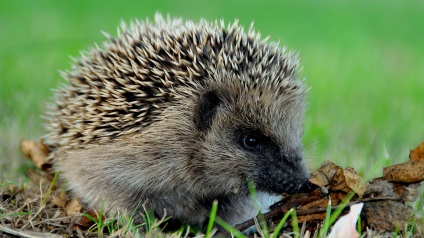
x=323 y=202
x=387 y=215
x=337 y=198
x=36 y=152
x=408 y=172
x=85 y=222
x=346 y=180
x=299 y=199
x=408 y=193
x=339 y=183
x=417 y=154
x=324 y=174
x=60 y=200
x=311 y=217
x=44 y=147
x=74 y=207
x=379 y=188
x=355 y=182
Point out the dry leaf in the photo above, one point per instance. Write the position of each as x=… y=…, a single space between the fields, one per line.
x=417 y=154
x=323 y=176
x=379 y=188
x=338 y=182
x=355 y=182
x=407 y=192
x=346 y=180
x=44 y=147
x=323 y=202
x=60 y=200
x=297 y=200
x=74 y=207
x=337 y=197
x=408 y=172
x=85 y=222
x=36 y=152
x=387 y=215
x=340 y=179
x=311 y=217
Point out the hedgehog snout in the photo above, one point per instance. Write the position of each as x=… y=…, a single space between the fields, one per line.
x=282 y=174
x=298 y=175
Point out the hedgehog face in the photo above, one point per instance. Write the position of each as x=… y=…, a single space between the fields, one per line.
x=246 y=137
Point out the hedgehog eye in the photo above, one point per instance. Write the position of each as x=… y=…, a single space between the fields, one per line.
x=250 y=141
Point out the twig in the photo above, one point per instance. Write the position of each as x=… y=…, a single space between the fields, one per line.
x=53 y=220
x=27 y=234
x=33 y=217
x=278 y=212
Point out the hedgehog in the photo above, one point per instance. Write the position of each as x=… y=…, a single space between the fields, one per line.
x=173 y=114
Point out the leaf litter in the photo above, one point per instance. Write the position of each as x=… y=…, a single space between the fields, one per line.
x=43 y=209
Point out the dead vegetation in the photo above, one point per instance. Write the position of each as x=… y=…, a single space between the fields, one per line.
x=42 y=208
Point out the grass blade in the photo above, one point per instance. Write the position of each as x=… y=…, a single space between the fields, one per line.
x=14 y=214
x=281 y=223
x=236 y=233
x=327 y=223
x=295 y=223
x=212 y=218
x=254 y=196
x=56 y=175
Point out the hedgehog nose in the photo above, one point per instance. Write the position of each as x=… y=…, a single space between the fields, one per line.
x=301 y=184
x=306 y=187
x=302 y=178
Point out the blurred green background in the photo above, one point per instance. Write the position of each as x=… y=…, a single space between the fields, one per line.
x=364 y=62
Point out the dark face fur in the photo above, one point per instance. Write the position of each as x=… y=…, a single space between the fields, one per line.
x=260 y=134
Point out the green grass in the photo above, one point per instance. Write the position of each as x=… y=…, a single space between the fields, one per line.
x=362 y=59
x=212 y=217
x=281 y=223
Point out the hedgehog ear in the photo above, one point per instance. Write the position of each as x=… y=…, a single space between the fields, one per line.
x=206 y=109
